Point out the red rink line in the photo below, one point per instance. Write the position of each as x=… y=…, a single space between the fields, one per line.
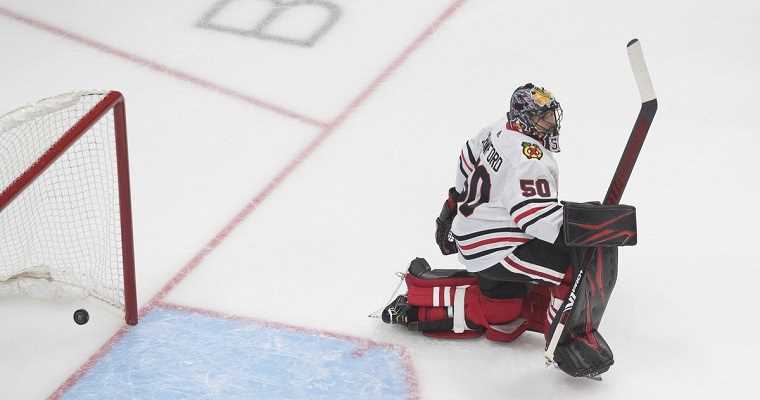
x=174 y=73
x=242 y=215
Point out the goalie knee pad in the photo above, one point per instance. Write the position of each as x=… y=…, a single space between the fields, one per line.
x=436 y=288
x=440 y=295
x=451 y=305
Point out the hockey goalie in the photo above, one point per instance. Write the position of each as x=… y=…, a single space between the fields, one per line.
x=521 y=247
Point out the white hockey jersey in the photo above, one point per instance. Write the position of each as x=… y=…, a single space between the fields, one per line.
x=510 y=187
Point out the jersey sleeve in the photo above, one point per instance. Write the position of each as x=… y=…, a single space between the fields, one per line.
x=530 y=195
x=469 y=156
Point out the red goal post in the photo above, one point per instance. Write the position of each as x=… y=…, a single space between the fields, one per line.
x=65 y=203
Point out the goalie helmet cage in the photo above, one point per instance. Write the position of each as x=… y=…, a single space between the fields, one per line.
x=65 y=204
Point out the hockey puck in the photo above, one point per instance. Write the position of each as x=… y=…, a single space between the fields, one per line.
x=81 y=316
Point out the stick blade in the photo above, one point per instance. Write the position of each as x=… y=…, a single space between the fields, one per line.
x=640 y=71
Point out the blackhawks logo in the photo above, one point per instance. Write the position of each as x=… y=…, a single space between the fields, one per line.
x=530 y=150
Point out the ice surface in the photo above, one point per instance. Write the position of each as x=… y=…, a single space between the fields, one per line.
x=208 y=137
x=183 y=354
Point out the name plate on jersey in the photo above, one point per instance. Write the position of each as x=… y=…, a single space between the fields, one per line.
x=597 y=225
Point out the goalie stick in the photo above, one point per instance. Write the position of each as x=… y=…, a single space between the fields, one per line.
x=616 y=188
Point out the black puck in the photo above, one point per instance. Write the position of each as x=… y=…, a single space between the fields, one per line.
x=81 y=316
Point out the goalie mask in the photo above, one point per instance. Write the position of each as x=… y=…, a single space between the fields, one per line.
x=535 y=112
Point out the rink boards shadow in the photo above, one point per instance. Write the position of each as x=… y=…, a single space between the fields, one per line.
x=181 y=353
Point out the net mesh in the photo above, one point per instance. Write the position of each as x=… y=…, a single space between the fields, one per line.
x=66 y=223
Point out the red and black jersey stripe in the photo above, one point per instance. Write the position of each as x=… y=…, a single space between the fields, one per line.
x=467 y=163
x=473 y=160
x=544 y=215
x=473 y=256
x=461 y=169
x=488 y=241
x=528 y=212
x=486 y=232
x=524 y=203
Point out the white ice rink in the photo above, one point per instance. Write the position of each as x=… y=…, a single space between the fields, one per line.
x=285 y=183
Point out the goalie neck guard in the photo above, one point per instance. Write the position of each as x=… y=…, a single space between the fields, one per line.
x=535 y=112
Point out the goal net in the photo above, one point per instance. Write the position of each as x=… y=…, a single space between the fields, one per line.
x=65 y=214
